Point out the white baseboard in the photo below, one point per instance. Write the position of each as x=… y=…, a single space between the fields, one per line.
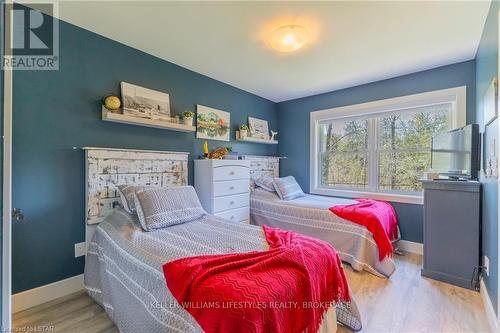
x=488 y=307
x=36 y=296
x=411 y=247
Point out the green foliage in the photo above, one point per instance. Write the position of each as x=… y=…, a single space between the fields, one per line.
x=403 y=151
x=188 y=114
x=345 y=161
x=244 y=127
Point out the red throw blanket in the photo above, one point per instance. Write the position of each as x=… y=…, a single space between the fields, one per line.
x=378 y=217
x=285 y=289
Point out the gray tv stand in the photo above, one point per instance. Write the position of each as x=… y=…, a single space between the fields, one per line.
x=452 y=228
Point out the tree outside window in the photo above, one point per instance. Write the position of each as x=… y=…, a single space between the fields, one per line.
x=383 y=153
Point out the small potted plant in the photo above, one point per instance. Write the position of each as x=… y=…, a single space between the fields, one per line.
x=187 y=117
x=243 y=131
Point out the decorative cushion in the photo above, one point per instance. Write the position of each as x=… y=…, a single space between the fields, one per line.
x=127 y=195
x=162 y=207
x=266 y=183
x=287 y=188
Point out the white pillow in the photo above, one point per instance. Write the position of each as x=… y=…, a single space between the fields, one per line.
x=266 y=183
x=127 y=195
x=288 y=188
x=166 y=206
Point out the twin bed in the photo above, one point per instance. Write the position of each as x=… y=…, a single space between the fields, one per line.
x=309 y=215
x=123 y=270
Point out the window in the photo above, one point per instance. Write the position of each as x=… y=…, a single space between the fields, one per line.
x=381 y=149
x=344 y=153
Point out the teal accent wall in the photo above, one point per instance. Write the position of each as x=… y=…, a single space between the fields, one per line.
x=55 y=111
x=486 y=70
x=293 y=121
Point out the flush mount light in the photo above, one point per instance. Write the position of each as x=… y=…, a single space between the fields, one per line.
x=289 y=38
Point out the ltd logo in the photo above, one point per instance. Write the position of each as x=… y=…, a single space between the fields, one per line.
x=32 y=36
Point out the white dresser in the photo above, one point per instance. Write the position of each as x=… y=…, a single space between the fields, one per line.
x=223 y=187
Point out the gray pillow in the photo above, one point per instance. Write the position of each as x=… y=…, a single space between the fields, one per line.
x=127 y=195
x=266 y=183
x=288 y=188
x=162 y=207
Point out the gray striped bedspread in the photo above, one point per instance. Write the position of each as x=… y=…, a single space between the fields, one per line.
x=309 y=215
x=123 y=270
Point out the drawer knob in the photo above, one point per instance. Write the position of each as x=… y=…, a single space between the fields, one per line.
x=232 y=217
x=231 y=173
x=231 y=188
x=231 y=203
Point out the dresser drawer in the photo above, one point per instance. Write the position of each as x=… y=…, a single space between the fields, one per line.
x=229 y=172
x=235 y=215
x=230 y=202
x=230 y=187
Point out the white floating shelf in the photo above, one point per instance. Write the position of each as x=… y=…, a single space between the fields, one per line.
x=155 y=123
x=256 y=140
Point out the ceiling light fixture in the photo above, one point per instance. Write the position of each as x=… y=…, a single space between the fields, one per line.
x=289 y=38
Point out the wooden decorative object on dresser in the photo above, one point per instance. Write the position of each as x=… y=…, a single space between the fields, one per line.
x=223 y=188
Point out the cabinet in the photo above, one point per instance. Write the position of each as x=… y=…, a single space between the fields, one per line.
x=452 y=228
x=223 y=187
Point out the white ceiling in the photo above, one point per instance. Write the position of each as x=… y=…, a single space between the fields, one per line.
x=354 y=42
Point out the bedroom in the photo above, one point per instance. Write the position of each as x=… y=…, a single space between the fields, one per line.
x=106 y=93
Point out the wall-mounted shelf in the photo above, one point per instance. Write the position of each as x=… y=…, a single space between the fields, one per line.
x=155 y=123
x=256 y=140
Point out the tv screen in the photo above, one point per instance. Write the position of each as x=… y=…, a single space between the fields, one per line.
x=455 y=153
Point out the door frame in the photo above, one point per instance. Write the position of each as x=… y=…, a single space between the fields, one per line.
x=498 y=176
x=7 y=183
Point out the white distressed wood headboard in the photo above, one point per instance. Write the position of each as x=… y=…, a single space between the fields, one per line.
x=108 y=167
x=263 y=166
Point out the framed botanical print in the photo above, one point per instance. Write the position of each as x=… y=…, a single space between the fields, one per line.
x=212 y=124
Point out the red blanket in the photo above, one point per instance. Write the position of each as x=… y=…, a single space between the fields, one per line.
x=378 y=217
x=285 y=289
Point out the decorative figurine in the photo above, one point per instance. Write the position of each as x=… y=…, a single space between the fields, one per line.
x=205 y=149
x=273 y=133
x=218 y=154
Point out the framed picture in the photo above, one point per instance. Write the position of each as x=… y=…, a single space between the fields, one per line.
x=145 y=103
x=258 y=128
x=489 y=152
x=490 y=108
x=212 y=124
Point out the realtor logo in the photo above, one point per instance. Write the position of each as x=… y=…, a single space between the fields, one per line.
x=33 y=41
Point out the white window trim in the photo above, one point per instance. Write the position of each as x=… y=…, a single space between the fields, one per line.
x=452 y=95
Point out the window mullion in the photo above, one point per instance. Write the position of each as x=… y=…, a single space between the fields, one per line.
x=376 y=166
x=372 y=155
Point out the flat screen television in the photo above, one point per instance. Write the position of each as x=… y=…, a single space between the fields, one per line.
x=455 y=154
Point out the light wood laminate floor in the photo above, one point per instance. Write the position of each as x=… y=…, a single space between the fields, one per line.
x=404 y=303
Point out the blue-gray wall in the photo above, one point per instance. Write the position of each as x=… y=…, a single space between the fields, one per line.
x=486 y=70
x=293 y=122
x=57 y=110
